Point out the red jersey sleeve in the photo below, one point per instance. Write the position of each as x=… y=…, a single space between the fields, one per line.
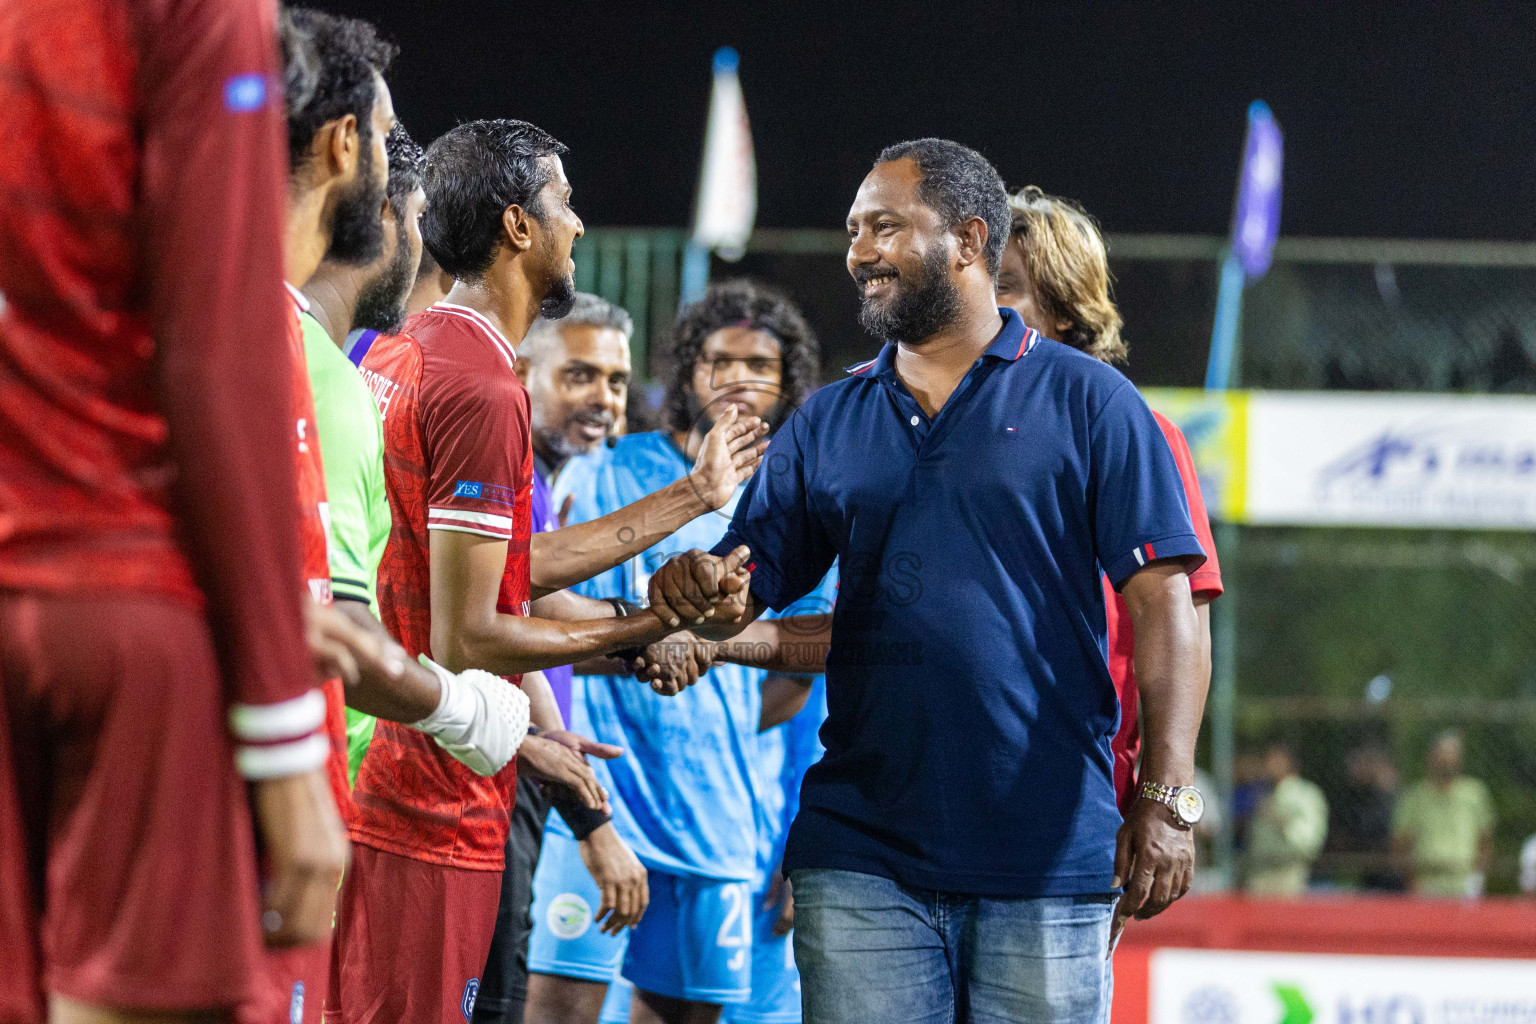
x=476 y=428
x=213 y=178
x=1206 y=579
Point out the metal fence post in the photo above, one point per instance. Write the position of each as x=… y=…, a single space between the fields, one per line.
x=1223 y=705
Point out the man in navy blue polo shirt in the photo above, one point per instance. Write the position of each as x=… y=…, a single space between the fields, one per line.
x=955 y=856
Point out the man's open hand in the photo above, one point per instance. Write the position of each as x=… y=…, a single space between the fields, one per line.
x=553 y=762
x=579 y=744
x=1154 y=860
x=697 y=587
x=620 y=877
x=730 y=454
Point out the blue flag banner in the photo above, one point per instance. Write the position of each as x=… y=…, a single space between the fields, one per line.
x=1255 y=227
x=1256 y=224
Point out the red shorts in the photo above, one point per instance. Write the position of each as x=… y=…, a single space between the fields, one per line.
x=411 y=940
x=127 y=863
x=299 y=980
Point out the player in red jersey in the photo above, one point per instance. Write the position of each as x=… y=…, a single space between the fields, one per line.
x=338 y=176
x=1056 y=275
x=457 y=579
x=147 y=519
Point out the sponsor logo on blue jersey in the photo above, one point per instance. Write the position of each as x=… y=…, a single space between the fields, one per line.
x=467 y=1004
x=245 y=93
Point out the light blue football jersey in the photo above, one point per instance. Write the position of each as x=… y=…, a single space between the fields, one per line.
x=789 y=748
x=686 y=792
x=784 y=754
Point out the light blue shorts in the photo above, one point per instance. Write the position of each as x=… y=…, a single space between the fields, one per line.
x=775 y=979
x=694 y=942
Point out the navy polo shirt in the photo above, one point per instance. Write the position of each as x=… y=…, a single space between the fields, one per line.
x=970 y=703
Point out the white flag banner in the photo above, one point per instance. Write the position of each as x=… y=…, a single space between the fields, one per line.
x=728 y=182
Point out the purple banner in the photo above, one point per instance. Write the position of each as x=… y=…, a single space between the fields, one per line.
x=1257 y=222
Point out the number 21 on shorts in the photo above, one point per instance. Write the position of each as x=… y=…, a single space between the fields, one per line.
x=736 y=929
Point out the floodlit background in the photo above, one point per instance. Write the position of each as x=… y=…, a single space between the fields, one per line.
x=1381 y=585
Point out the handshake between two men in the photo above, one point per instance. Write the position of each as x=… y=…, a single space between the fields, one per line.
x=694 y=592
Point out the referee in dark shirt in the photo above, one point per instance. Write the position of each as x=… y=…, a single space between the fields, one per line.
x=955 y=855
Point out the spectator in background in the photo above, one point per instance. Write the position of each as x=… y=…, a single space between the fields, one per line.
x=1250 y=785
x=1442 y=830
x=1528 y=866
x=1362 y=819
x=1287 y=829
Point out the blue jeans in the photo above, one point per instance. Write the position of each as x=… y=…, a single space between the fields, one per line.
x=871 y=949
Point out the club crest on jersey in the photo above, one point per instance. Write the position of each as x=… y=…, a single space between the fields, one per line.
x=467 y=1004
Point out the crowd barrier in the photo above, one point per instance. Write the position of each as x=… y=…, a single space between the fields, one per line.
x=1329 y=960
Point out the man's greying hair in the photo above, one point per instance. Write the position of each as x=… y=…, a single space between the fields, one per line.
x=589 y=311
x=741 y=303
x=349 y=53
x=474 y=172
x=406 y=161
x=960 y=184
x=301 y=67
x=1066 y=261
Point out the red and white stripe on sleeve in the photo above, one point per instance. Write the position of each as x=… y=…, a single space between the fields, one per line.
x=284 y=738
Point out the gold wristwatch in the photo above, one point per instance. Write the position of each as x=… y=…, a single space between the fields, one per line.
x=1186 y=802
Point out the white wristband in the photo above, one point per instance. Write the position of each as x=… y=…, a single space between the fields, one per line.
x=455 y=704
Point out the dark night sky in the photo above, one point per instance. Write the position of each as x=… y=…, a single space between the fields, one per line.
x=1400 y=120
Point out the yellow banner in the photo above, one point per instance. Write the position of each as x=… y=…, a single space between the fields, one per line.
x=1216 y=426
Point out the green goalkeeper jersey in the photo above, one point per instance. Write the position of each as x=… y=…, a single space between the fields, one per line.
x=352 y=448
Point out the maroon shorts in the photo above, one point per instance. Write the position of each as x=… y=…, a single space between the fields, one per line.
x=127 y=863
x=299 y=979
x=411 y=940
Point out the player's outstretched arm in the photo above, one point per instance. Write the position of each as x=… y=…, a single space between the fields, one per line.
x=468 y=630
x=1154 y=857
x=731 y=452
x=473 y=715
x=797 y=644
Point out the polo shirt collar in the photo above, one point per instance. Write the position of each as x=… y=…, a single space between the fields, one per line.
x=1012 y=342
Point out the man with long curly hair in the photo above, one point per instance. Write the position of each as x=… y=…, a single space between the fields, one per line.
x=1055 y=275
x=686 y=795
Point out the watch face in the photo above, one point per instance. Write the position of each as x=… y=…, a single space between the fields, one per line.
x=1189 y=805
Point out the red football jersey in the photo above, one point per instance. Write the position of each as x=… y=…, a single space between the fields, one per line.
x=314 y=537
x=143 y=370
x=457 y=456
x=1206 y=580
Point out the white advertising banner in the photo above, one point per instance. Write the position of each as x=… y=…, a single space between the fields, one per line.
x=1390 y=460
x=1190 y=986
